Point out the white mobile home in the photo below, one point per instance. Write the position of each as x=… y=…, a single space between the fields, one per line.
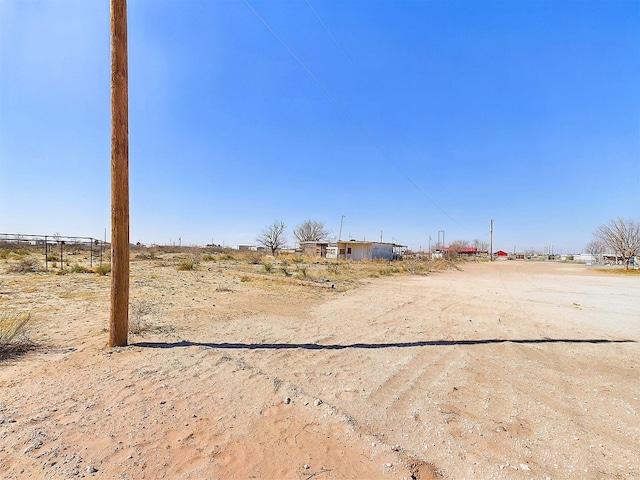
x=362 y=250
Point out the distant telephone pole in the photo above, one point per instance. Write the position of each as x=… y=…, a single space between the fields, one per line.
x=119 y=316
x=491 y=240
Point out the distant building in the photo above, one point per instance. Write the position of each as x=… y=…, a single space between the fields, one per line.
x=466 y=251
x=363 y=250
x=247 y=247
x=501 y=253
x=314 y=249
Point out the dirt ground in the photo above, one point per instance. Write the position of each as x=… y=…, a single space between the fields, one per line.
x=507 y=370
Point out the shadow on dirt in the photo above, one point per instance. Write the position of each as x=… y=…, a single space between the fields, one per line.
x=316 y=346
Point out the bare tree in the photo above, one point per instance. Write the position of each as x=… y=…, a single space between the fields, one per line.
x=273 y=236
x=596 y=249
x=456 y=247
x=622 y=237
x=311 y=231
x=480 y=245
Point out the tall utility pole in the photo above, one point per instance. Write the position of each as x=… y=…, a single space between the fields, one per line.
x=491 y=239
x=119 y=318
x=340 y=234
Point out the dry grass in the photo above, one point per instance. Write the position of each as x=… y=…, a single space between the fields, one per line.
x=187 y=265
x=140 y=313
x=620 y=271
x=103 y=269
x=26 y=264
x=13 y=334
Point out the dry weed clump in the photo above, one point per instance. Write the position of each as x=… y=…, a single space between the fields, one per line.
x=77 y=268
x=187 y=265
x=141 y=310
x=224 y=288
x=26 y=264
x=13 y=334
x=103 y=269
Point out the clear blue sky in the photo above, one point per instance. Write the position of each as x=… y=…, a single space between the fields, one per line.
x=406 y=117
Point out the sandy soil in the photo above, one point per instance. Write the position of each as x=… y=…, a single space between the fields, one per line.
x=506 y=370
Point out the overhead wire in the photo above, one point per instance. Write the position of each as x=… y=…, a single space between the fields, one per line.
x=334 y=99
x=367 y=88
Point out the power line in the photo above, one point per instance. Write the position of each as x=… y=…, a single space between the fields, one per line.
x=353 y=120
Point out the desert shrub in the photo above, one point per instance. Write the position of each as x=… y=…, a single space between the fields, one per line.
x=333 y=268
x=103 y=269
x=267 y=267
x=25 y=265
x=297 y=259
x=388 y=270
x=302 y=271
x=208 y=258
x=52 y=257
x=285 y=269
x=245 y=278
x=13 y=333
x=253 y=258
x=149 y=255
x=140 y=311
x=77 y=268
x=13 y=253
x=188 y=264
x=416 y=267
x=224 y=288
x=227 y=256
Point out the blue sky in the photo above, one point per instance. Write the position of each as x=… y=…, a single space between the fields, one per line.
x=406 y=117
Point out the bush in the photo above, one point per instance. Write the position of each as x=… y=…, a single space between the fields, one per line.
x=140 y=311
x=332 y=268
x=186 y=265
x=77 y=268
x=25 y=265
x=253 y=258
x=224 y=288
x=267 y=267
x=103 y=269
x=13 y=333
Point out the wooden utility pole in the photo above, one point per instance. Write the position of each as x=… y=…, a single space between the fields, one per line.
x=119 y=319
x=491 y=240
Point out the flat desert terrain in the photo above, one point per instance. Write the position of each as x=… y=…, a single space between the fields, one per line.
x=505 y=370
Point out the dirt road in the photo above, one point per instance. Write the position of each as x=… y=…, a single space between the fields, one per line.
x=504 y=370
